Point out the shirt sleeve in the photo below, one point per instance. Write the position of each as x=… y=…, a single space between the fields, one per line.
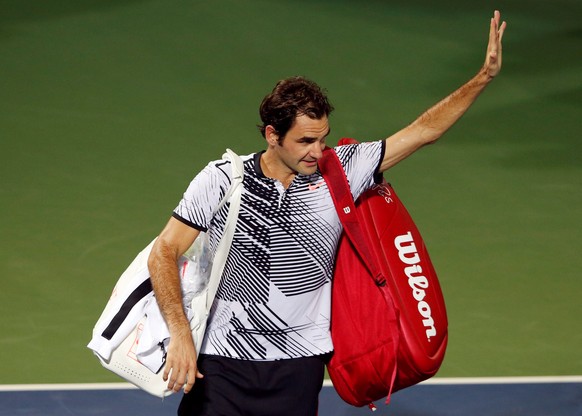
x=361 y=163
x=203 y=195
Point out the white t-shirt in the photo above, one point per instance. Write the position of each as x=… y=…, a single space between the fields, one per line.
x=274 y=299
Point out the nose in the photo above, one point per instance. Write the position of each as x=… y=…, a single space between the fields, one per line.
x=317 y=150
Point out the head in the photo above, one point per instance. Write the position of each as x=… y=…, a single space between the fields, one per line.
x=292 y=97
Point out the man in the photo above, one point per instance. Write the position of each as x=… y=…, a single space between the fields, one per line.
x=268 y=335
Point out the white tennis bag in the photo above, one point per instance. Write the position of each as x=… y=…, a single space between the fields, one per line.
x=131 y=337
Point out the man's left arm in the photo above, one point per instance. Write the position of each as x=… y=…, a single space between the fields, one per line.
x=434 y=122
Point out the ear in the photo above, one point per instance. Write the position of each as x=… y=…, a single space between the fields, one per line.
x=271 y=135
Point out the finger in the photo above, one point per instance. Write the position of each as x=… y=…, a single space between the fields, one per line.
x=166 y=372
x=190 y=384
x=169 y=377
x=175 y=381
x=492 y=29
x=188 y=387
x=190 y=380
x=499 y=39
x=492 y=47
x=501 y=31
x=181 y=381
x=492 y=34
x=176 y=387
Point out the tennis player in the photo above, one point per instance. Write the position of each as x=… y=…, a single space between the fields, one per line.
x=268 y=337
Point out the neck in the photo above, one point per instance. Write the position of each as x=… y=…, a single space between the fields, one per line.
x=273 y=168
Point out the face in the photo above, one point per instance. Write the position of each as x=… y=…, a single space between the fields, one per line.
x=303 y=144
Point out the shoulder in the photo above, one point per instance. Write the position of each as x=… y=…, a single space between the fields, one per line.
x=221 y=170
x=365 y=152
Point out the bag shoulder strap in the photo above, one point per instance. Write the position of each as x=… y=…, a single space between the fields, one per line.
x=233 y=195
x=337 y=183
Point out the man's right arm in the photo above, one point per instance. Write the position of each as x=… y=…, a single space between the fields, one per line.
x=173 y=241
x=434 y=122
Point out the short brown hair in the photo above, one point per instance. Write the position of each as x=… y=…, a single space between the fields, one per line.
x=290 y=98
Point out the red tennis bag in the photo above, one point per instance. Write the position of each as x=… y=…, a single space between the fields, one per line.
x=388 y=320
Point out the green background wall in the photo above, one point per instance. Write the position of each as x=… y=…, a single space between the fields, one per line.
x=109 y=108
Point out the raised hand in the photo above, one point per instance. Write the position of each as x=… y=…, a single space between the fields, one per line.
x=493 y=58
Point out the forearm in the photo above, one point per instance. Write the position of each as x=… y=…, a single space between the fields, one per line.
x=434 y=122
x=165 y=279
x=173 y=241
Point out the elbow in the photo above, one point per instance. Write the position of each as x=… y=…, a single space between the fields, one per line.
x=153 y=260
x=428 y=129
x=429 y=134
x=431 y=140
x=160 y=254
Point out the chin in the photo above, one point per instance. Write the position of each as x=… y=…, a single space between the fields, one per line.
x=308 y=172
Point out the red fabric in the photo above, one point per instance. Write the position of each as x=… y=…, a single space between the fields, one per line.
x=386 y=337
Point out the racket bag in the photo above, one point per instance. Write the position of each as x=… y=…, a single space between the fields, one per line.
x=388 y=320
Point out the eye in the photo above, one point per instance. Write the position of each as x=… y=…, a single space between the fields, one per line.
x=307 y=140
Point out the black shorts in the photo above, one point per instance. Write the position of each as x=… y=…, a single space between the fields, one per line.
x=233 y=387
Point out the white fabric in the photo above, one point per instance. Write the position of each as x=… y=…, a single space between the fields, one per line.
x=132 y=277
x=136 y=350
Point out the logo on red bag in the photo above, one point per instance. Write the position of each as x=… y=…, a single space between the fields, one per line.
x=384 y=191
x=416 y=280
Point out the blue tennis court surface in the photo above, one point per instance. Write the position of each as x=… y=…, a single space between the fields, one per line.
x=516 y=397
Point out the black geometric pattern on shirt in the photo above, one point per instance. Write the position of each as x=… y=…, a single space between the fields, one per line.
x=346 y=153
x=268 y=326
x=248 y=347
x=215 y=188
x=244 y=343
x=268 y=247
x=303 y=266
x=261 y=251
x=246 y=276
